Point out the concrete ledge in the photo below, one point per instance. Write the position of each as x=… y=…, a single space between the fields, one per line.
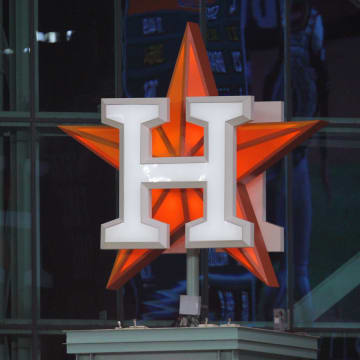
x=236 y=340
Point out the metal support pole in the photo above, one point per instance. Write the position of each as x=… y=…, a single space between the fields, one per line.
x=20 y=239
x=203 y=20
x=34 y=179
x=2 y=247
x=118 y=26
x=19 y=226
x=204 y=253
x=34 y=60
x=2 y=232
x=288 y=169
x=2 y=47
x=118 y=36
x=192 y=272
x=19 y=67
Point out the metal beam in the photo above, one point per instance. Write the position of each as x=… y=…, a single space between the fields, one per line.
x=329 y=292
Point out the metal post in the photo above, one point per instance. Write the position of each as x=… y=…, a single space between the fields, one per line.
x=2 y=246
x=204 y=253
x=2 y=47
x=34 y=60
x=118 y=26
x=192 y=272
x=37 y=269
x=2 y=232
x=33 y=80
x=288 y=169
x=20 y=226
x=118 y=36
x=20 y=238
x=203 y=20
x=19 y=68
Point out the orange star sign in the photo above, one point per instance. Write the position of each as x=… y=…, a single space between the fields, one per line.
x=260 y=143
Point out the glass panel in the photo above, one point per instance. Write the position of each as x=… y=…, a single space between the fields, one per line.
x=152 y=37
x=264 y=53
x=340 y=348
x=244 y=41
x=324 y=58
x=14 y=55
x=227 y=51
x=76 y=54
x=15 y=347
x=77 y=194
x=245 y=50
x=234 y=292
x=307 y=60
x=52 y=347
x=154 y=293
x=15 y=223
x=326 y=204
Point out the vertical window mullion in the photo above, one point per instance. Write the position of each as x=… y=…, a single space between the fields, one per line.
x=34 y=265
x=288 y=170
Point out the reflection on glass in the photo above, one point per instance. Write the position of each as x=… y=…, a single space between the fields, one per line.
x=233 y=292
x=152 y=37
x=324 y=58
x=308 y=76
x=77 y=195
x=263 y=45
x=341 y=348
x=15 y=224
x=242 y=39
x=227 y=50
x=15 y=347
x=334 y=248
x=76 y=54
x=341 y=29
x=14 y=55
x=307 y=63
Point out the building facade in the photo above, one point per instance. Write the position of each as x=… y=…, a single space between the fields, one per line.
x=59 y=58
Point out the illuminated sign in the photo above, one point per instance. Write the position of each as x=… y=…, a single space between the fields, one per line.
x=215 y=173
x=148 y=164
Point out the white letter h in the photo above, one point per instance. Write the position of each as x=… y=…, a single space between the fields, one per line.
x=139 y=172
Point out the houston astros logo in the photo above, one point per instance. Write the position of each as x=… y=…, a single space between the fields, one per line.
x=192 y=169
x=215 y=173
